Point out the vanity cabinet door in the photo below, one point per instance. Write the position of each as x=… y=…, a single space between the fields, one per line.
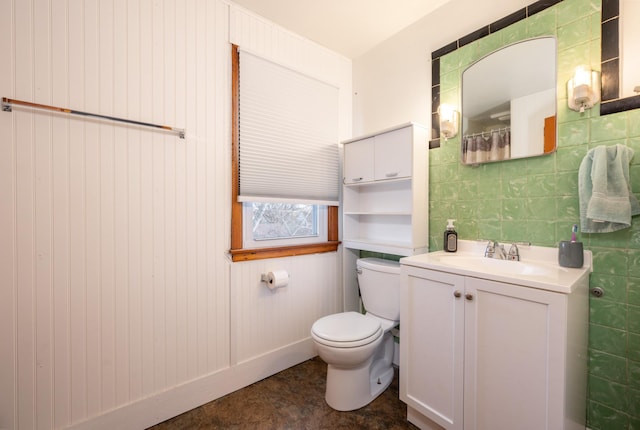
x=393 y=154
x=359 y=161
x=432 y=346
x=514 y=357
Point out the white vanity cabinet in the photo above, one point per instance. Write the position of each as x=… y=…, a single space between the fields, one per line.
x=385 y=192
x=479 y=354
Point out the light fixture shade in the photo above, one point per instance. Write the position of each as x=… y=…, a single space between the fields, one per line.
x=583 y=90
x=449 y=119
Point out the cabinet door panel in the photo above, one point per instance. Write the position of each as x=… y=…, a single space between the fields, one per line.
x=510 y=348
x=358 y=161
x=432 y=335
x=393 y=154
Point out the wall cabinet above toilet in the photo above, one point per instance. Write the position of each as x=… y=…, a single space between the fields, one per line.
x=385 y=192
x=382 y=157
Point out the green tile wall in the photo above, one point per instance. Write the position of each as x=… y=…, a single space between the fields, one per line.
x=536 y=200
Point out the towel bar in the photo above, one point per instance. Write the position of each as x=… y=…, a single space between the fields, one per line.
x=7 y=104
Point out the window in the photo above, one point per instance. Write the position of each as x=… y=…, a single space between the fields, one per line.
x=280 y=224
x=291 y=208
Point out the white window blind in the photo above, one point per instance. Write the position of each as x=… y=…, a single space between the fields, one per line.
x=288 y=135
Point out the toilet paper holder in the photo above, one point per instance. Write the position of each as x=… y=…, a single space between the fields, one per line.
x=275 y=279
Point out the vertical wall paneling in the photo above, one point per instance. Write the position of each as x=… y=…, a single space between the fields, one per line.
x=60 y=161
x=180 y=330
x=218 y=102
x=93 y=315
x=24 y=210
x=75 y=81
x=145 y=103
x=133 y=298
x=191 y=300
x=158 y=214
x=116 y=293
x=8 y=281
x=219 y=210
x=102 y=304
x=121 y=310
x=201 y=190
x=42 y=216
x=106 y=203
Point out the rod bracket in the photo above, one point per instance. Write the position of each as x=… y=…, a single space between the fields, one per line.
x=6 y=105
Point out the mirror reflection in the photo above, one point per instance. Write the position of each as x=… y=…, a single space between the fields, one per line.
x=509 y=103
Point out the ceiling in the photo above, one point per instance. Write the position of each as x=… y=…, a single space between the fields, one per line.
x=349 y=27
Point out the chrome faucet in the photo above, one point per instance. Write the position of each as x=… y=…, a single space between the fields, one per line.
x=495 y=250
x=514 y=254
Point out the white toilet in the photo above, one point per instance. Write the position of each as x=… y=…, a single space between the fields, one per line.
x=358 y=348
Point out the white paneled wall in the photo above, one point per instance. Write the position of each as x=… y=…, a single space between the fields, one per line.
x=118 y=279
x=118 y=305
x=266 y=319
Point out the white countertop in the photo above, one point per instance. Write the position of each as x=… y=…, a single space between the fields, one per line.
x=538 y=266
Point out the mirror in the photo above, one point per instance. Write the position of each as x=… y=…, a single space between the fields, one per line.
x=509 y=103
x=620 y=67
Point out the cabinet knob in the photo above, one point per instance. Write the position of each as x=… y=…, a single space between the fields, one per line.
x=468 y=296
x=356 y=179
x=457 y=294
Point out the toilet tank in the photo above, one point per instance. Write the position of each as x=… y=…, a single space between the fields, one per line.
x=379 y=282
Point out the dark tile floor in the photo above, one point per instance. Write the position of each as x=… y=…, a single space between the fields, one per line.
x=292 y=399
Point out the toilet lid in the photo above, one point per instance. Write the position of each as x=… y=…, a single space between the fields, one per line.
x=347 y=327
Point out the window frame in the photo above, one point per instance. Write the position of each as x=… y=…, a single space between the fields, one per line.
x=237 y=251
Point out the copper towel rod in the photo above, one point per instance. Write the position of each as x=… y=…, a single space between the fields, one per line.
x=7 y=107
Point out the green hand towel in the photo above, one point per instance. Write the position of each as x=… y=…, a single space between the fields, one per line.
x=606 y=200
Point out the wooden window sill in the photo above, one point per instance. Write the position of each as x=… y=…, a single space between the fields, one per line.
x=284 y=251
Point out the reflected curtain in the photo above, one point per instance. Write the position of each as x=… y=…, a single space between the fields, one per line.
x=494 y=145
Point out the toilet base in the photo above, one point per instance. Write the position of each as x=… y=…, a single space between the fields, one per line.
x=353 y=388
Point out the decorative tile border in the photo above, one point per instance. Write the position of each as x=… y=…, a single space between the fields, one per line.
x=610 y=67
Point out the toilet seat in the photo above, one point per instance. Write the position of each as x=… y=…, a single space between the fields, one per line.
x=346 y=330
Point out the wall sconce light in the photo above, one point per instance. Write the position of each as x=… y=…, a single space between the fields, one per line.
x=583 y=90
x=449 y=119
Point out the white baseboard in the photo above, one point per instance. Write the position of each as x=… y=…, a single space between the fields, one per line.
x=181 y=398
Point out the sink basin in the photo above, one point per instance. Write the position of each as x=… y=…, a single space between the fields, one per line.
x=538 y=266
x=504 y=267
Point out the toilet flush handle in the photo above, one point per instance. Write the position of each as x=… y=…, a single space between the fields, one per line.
x=358 y=271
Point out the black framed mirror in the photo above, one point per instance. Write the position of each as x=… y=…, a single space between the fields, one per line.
x=486 y=30
x=612 y=53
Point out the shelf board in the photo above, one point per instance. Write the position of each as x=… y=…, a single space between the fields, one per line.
x=395 y=248
x=377 y=213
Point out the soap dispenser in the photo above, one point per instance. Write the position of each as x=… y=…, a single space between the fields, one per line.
x=450 y=237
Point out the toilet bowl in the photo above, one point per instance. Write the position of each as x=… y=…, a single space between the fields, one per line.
x=358 y=348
